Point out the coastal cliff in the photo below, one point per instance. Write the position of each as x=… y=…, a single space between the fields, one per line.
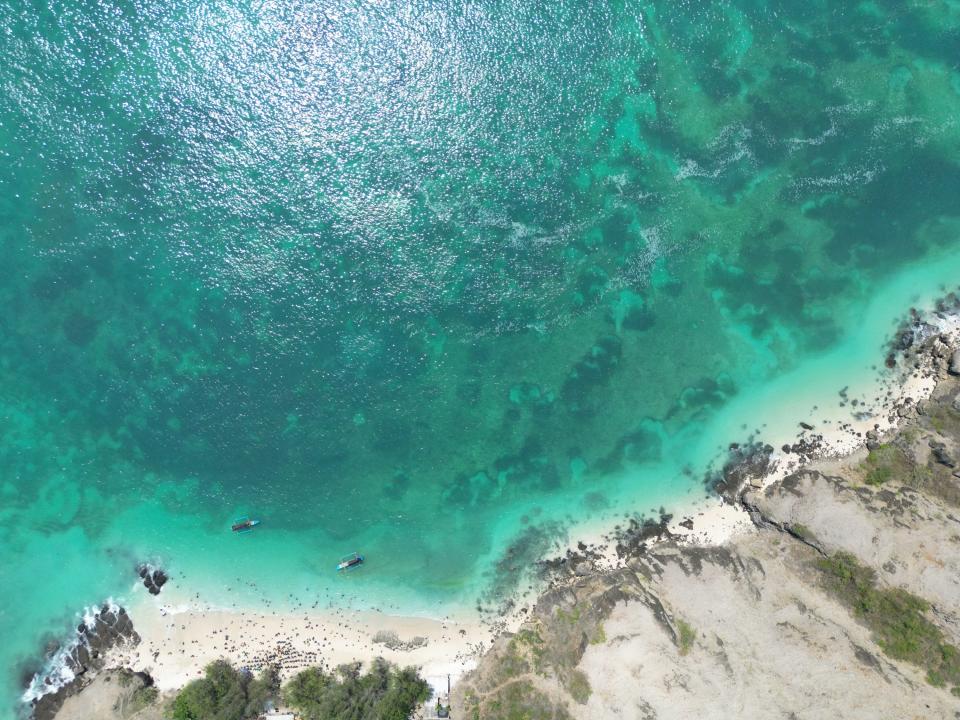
x=841 y=601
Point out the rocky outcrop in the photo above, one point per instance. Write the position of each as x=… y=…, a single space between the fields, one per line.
x=746 y=463
x=954 y=366
x=75 y=664
x=746 y=629
x=153 y=578
x=764 y=625
x=941 y=454
x=115 y=695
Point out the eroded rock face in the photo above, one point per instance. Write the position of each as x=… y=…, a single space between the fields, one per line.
x=112 y=695
x=73 y=666
x=741 y=629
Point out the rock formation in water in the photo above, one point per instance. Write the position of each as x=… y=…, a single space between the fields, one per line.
x=153 y=578
x=73 y=667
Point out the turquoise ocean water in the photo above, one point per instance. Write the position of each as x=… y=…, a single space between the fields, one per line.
x=431 y=280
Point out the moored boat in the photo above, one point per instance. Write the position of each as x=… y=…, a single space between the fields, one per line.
x=350 y=562
x=244 y=524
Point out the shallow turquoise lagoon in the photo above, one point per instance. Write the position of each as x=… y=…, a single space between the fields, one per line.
x=435 y=281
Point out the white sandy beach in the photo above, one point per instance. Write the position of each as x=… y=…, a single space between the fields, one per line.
x=178 y=641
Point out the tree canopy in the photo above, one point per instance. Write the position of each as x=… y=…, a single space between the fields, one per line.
x=225 y=693
x=384 y=692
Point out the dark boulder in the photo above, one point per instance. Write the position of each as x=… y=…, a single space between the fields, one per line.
x=81 y=656
x=954 y=366
x=153 y=578
x=904 y=339
x=941 y=454
x=752 y=461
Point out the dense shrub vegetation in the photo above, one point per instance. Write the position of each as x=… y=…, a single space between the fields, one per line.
x=896 y=617
x=883 y=464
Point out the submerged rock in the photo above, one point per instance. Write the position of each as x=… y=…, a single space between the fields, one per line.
x=904 y=340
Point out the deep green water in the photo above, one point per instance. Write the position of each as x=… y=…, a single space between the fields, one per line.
x=431 y=279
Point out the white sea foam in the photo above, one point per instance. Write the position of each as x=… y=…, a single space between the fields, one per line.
x=56 y=671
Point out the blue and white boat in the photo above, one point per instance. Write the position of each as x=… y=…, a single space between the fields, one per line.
x=244 y=524
x=350 y=562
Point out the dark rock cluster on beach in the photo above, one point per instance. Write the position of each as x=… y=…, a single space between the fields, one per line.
x=917 y=337
x=83 y=655
x=746 y=462
x=633 y=539
x=153 y=578
x=391 y=640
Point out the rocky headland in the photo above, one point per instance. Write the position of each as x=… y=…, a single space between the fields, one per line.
x=73 y=666
x=841 y=599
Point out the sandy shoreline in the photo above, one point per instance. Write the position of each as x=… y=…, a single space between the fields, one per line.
x=177 y=642
x=180 y=636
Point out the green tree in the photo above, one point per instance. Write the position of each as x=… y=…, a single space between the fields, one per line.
x=407 y=689
x=224 y=693
x=310 y=692
x=382 y=693
x=197 y=701
x=261 y=690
